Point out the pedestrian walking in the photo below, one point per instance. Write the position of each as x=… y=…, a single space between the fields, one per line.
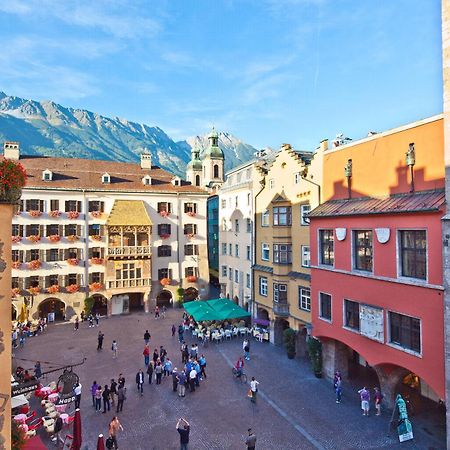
x=202 y=362
x=114 y=427
x=167 y=367
x=97 y=319
x=121 y=380
x=77 y=324
x=91 y=320
x=114 y=349
x=378 y=397
x=121 y=397
x=155 y=356
x=157 y=312
x=162 y=354
x=175 y=380
x=98 y=399
x=181 y=333
x=183 y=429
x=158 y=372
x=146 y=354
x=77 y=393
x=254 y=389
x=147 y=337
x=173 y=330
x=246 y=349
x=150 y=372
x=140 y=382
x=250 y=442
x=184 y=353
x=113 y=391
x=192 y=379
x=181 y=378
x=337 y=377
x=365 y=399
x=93 y=391
x=338 y=390
x=37 y=370
x=106 y=397
x=100 y=340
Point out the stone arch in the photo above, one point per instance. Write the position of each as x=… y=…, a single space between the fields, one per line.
x=100 y=304
x=190 y=294
x=164 y=298
x=262 y=313
x=52 y=305
x=279 y=326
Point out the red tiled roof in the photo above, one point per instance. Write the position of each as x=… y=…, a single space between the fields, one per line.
x=424 y=201
x=75 y=173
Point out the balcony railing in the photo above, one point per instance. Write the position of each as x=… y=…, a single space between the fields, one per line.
x=281 y=309
x=128 y=283
x=144 y=250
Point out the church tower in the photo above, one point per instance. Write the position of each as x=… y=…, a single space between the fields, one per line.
x=194 y=169
x=213 y=163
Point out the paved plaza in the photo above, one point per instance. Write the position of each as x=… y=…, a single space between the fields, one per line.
x=294 y=410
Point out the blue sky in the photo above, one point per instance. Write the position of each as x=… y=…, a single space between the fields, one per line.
x=268 y=71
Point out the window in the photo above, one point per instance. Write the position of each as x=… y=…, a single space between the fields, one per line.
x=71 y=253
x=326 y=247
x=224 y=224
x=249 y=253
x=297 y=177
x=265 y=252
x=413 y=254
x=164 y=250
x=362 y=250
x=70 y=230
x=405 y=331
x=304 y=298
x=216 y=171
x=190 y=228
x=197 y=180
x=236 y=225
x=271 y=183
x=95 y=252
x=164 y=229
x=31 y=282
x=95 y=277
x=351 y=314
x=191 y=272
x=34 y=205
x=230 y=273
x=106 y=178
x=73 y=205
x=191 y=249
x=282 y=253
x=325 y=306
x=224 y=271
x=224 y=248
x=32 y=230
x=306 y=256
x=95 y=230
x=72 y=279
x=54 y=205
x=249 y=225
x=236 y=250
x=129 y=271
x=163 y=273
x=263 y=290
x=282 y=216
x=304 y=211
x=52 y=255
x=223 y=203
x=236 y=201
x=17 y=230
x=51 y=280
x=248 y=280
x=190 y=207
x=47 y=176
x=164 y=207
x=236 y=276
x=15 y=282
x=279 y=293
x=17 y=256
x=230 y=249
x=52 y=229
x=32 y=255
x=265 y=218
x=95 y=205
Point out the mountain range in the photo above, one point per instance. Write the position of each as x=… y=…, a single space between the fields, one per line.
x=49 y=129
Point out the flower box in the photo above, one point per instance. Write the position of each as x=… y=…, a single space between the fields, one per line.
x=15 y=292
x=190 y=235
x=34 y=290
x=34 y=238
x=34 y=265
x=165 y=281
x=72 y=288
x=96 y=214
x=96 y=286
x=164 y=213
x=72 y=238
x=72 y=261
x=96 y=237
x=97 y=261
x=12 y=179
x=191 y=214
x=191 y=278
x=16 y=239
x=53 y=289
x=16 y=265
x=55 y=213
x=35 y=213
x=54 y=238
x=164 y=236
x=73 y=215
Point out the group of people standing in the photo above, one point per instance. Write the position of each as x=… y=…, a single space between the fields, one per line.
x=108 y=394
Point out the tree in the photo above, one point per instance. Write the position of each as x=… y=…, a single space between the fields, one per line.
x=289 y=336
x=88 y=305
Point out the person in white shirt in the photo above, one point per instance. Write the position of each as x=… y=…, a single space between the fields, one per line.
x=77 y=392
x=254 y=389
x=192 y=378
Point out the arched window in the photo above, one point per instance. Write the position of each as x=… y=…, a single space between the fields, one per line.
x=197 y=180
x=216 y=170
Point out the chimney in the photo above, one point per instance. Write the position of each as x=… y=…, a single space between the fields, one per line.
x=146 y=160
x=11 y=150
x=324 y=145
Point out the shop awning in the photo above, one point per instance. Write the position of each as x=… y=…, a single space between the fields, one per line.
x=215 y=309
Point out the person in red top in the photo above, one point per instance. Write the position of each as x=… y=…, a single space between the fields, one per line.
x=239 y=366
x=146 y=354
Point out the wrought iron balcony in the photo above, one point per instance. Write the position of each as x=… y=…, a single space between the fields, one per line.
x=144 y=250
x=281 y=309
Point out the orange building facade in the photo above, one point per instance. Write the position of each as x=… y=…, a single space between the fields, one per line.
x=376 y=246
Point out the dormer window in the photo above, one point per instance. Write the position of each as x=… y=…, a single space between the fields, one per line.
x=176 y=181
x=47 y=175
x=106 y=179
x=147 y=180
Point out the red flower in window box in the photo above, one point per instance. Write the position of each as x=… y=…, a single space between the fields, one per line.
x=191 y=214
x=96 y=286
x=16 y=265
x=34 y=290
x=34 y=265
x=96 y=237
x=72 y=238
x=34 y=238
x=191 y=278
x=164 y=213
x=15 y=292
x=165 y=281
x=97 y=261
x=55 y=213
x=73 y=215
x=16 y=239
x=72 y=261
x=190 y=235
x=96 y=214
x=12 y=179
x=54 y=238
x=164 y=236
x=72 y=288
x=35 y=213
x=53 y=289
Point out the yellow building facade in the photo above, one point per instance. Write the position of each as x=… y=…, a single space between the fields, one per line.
x=281 y=273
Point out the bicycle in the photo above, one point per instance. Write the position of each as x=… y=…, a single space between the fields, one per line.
x=239 y=375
